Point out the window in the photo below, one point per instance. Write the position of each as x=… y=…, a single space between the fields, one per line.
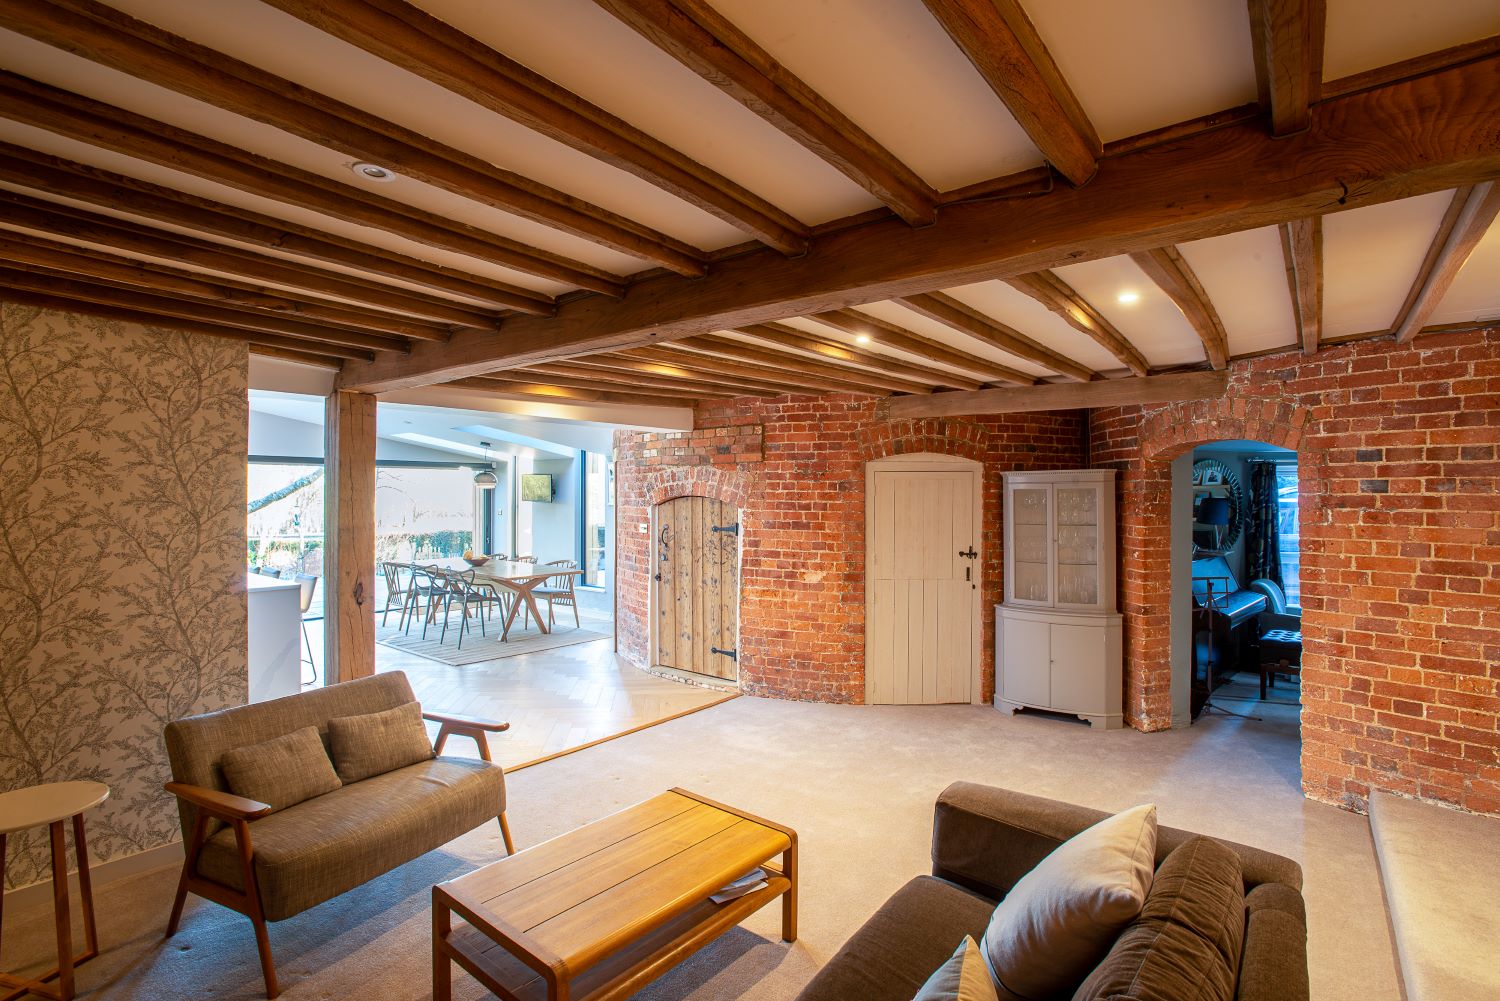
x=599 y=491
x=1288 y=537
x=284 y=516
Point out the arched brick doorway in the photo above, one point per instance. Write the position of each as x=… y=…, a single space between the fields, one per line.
x=1146 y=533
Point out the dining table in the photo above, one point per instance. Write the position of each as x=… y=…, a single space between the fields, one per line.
x=522 y=579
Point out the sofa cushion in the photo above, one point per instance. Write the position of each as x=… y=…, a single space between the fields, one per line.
x=964 y=977
x=893 y=954
x=376 y=743
x=1188 y=939
x=1061 y=918
x=320 y=848
x=1274 y=965
x=282 y=771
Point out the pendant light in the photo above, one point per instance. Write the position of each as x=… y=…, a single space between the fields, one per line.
x=485 y=479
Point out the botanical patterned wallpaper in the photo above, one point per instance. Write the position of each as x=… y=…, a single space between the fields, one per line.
x=122 y=551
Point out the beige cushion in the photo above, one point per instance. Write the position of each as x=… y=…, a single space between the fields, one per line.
x=281 y=772
x=377 y=743
x=1061 y=918
x=965 y=977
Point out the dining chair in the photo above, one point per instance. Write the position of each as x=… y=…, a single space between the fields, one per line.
x=394 y=589
x=309 y=586
x=465 y=590
x=423 y=587
x=559 y=591
x=269 y=572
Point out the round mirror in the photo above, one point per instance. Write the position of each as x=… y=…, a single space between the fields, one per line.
x=1218 y=506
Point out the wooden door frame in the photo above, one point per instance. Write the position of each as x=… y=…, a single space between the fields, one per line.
x=936 y=462
x=654 y=590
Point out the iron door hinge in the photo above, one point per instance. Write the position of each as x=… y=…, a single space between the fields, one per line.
x=733 y=655
x=732 y=529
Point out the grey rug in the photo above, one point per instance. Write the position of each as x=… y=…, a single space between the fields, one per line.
x=488 y=646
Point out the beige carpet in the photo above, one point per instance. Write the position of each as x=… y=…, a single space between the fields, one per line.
x=857 y=783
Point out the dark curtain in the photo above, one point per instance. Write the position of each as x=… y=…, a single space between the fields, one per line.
x=1262 y=549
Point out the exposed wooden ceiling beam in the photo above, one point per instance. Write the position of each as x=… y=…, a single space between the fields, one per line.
x=516 y=389
x=1059 y=297
x=999 y=39
x=966 y=319
x=707 y=42
x=1407 y=69
x=1468 y=219
x=1064 y=396
x=106 y=189
x=147 y=318
x=1412 y=137
x=618 y=367
x=712 y=361
x=795 y=361
x=1170 y=271
x=719 y=371
x=178 y=283
x=107 y=36
x=414 y=40
x=838 y=353
x=105 y=294
x=880 y=331
x=577 y=377
x=75 y=223
x=133 y=135
x=300 y=357
x=1302 y=247
x=1288 y=40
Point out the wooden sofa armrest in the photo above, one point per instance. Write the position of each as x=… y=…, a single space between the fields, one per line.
x=222 y=805
x=465 y=726
x=466 y=722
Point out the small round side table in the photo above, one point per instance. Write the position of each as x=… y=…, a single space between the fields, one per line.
x=50 y=805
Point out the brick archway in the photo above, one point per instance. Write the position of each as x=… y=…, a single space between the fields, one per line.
x=939 y=435
x=1146 y=531
x=670 y=482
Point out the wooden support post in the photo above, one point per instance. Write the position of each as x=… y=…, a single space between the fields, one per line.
x=349 y=537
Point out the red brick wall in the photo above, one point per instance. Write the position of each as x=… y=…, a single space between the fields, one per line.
x=1400 y=527
x=794 y=465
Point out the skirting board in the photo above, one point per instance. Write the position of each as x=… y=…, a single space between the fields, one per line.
x=37 y=894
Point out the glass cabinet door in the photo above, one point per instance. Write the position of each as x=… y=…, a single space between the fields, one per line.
x=1031 y=539
x=1077 y=545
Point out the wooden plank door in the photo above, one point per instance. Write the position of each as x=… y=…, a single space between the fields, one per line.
x=697 y=578
x=921 y=637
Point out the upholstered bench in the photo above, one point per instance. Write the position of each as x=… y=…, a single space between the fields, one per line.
x=288 y=803
x=1280 y=652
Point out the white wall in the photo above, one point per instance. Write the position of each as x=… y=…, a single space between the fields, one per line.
x=552 y=529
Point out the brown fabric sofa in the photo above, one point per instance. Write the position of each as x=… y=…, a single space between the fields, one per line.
x=983 y=841
x=270 y=866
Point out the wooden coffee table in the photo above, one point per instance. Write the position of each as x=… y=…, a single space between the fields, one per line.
x=602 y=911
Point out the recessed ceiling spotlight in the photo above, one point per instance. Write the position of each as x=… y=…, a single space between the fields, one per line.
x=862 y=339
x=373 y=172
x=1128 y=297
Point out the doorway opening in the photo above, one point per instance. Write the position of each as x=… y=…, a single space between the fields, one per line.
x=1235 y=526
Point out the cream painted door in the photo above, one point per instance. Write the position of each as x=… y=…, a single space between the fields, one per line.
x=922 y=631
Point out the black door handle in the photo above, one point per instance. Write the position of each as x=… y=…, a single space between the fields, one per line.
x=969 y=553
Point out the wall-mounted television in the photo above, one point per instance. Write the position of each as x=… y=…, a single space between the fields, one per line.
x=537 y=487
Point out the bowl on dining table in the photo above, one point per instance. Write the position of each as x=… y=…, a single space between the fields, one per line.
x=476 y=561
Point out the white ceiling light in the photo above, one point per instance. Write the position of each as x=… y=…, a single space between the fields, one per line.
x=862 y=339
x=1129 y=297
x=485 y=479
x=373 y=172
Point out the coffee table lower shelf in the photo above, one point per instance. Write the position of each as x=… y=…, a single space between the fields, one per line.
x=618 y=975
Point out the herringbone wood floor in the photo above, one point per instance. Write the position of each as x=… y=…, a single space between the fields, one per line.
x=555 y=700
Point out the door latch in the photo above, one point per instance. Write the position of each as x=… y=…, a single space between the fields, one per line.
x=969 y=553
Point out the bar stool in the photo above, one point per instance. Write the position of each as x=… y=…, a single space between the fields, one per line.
x=52 y=804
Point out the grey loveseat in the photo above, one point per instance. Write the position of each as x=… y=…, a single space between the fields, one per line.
x=272 y=865
x=983 y=841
